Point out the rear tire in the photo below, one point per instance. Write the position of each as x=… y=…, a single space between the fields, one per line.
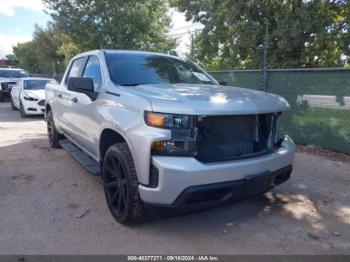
x=53 y=135
x=120 y=185
x=21 y=110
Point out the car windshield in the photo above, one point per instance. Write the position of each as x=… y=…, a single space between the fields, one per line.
x=13 y=73
x=35 y=84
x=135 y=69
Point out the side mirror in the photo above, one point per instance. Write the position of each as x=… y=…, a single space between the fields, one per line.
x=83 y=85
x=223 y=83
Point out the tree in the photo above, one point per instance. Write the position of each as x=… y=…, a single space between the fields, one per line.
x=47 y=41
x=49 y=52
x=27 y=57
x=310 y=33
x=116 y=24
x=67 y=49
x=12 y=59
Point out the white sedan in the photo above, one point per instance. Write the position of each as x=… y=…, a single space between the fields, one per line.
x=28 y=95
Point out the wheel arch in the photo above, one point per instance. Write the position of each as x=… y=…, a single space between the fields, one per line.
x=47 y=108
x=108 y=138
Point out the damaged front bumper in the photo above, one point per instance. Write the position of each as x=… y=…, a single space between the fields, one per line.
x=179 y=175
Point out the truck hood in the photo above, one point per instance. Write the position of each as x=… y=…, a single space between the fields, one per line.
x=38 y=94
x=196 y=99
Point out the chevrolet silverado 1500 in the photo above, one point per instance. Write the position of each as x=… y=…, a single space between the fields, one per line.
x=163 y=133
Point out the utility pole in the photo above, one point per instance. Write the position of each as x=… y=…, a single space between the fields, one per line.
x=264 y=65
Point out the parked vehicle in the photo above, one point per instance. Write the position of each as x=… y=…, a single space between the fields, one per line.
x=8 y=78
x=28 y=95
x=164 y=134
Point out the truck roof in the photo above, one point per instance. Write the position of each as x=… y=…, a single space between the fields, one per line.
x=36 y=78
x=113 y=51
x=11 y=69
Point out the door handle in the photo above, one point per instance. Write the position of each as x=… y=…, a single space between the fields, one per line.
x=74 y=100
x=59 y=95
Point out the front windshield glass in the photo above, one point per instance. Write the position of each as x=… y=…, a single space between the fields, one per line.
x=13 y=73
x=35 y=84
x=135 y=69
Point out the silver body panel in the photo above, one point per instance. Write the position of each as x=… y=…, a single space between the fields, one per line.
x=122 y=109
x=178 y=173
x=197 y=99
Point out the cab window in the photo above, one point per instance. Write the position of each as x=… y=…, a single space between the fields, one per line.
x=93 y=70
x=76 y=68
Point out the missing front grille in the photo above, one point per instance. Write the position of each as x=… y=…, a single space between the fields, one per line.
x=222 y=138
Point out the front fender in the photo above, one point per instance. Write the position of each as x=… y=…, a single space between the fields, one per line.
x=125 y=115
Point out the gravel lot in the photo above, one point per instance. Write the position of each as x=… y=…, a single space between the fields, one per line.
x=41 y=190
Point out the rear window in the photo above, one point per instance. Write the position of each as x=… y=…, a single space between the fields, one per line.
x=36 y=84
x=13 y=73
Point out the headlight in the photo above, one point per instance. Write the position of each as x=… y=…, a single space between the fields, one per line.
x=183 y=133
x=168 y=121
x=30 y=98
x=279 y=133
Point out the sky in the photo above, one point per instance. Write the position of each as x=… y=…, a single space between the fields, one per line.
x=18 y=17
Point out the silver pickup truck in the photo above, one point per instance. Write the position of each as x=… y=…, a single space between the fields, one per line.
x=164 y=134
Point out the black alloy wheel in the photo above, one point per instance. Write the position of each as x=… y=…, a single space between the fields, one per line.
x=116 y=185
x=53 y=136
x=121 y=185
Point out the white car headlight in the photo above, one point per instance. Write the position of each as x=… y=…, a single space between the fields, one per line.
x=28 y=97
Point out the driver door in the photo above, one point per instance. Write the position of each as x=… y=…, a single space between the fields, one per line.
x=65 y=97
x=83 y=115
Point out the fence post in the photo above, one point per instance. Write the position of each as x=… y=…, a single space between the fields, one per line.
x=264 y=69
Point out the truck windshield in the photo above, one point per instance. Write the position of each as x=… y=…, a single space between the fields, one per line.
x=13 y=73
x=136 y=69
x=35 y=84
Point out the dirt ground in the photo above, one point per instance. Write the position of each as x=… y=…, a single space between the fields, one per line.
x=43 y=190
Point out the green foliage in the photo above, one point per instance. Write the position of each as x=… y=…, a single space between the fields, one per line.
x=83 y=25
x=11 y=57
x=48 y=52
x=114 y=24
x=311 y=33
x=12 y=60
x=27 y=57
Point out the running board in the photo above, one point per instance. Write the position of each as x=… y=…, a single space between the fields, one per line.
x=84 y=159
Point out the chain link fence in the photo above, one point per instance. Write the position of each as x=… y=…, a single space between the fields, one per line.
x=319 y=99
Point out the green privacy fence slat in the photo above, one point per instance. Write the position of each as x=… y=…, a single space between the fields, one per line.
x=319 y=98
x=248 y=79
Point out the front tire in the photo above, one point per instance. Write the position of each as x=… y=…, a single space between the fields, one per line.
x=120 y=185
x=21 y=110
x=53 y=135
x=12 y=104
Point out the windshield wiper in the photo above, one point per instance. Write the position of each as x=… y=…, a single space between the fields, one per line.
x=135 y=84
